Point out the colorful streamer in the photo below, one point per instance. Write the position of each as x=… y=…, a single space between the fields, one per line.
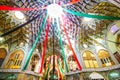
x=34 y=45
x=41 y=1
x=59 y=73
x=9 y=8
x=61 y=44
x=47 y=71
x=74 y=54
x=73 y=2
x=91 y=15
x=61 y=69
x=45 y=46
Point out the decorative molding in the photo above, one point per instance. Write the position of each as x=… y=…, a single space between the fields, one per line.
x=20 y=71
x=95 y=70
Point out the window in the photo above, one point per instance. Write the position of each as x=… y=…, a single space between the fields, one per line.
x=114 y=29
x=15 y=60
x=90 y=60
x=72 y=63
x=105 y=58
x=96 y=76
x=34 y=63
x=3 y=54
x=118 y=41
x=117 y=56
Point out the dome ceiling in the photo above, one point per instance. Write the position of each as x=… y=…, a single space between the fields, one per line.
x=15 y=30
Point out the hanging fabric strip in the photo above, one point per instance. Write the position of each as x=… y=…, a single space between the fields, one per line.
x=71 y=3
x=49 y=63
x=47 y=71
x=41 y=1
x=71 y=47
x=61 y=69
x=34 y=45
x=59 y=72
x=62 y=46
x=10 y=8
x=91 y=15
x=45 y=46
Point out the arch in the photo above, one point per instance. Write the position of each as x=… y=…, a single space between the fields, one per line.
x=105 y=58
x=72 y=63
x=90 y=60
x=15 y=60
x=3 y=54
x=34 y=63
x=118 y=41
x=96 y=76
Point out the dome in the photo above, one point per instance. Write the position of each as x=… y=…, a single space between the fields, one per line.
x=73 y=39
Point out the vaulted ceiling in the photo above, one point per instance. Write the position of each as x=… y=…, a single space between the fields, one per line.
x=16 y=31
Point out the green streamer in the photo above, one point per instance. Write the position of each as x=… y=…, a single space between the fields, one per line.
x=34 y=45
x=61 y=69
x=61 y=44
x=47 y=71
x=41 y=1
x=91 y=15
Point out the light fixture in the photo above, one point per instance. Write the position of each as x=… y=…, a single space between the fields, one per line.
x=87 y=19
x=114 y=74
x=1 y=39
x=85 y=45
x=54 y=10
x=19 y=15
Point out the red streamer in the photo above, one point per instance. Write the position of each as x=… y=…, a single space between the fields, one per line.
x=60 y=74
x=73 y=2
x=16 y=9
x=74 y=54
x=45 y=46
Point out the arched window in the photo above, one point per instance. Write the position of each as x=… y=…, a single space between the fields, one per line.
x=3 y=54
x=105 y=58
x=118 y=41
x=34 y=63
x=15 y=60
x=96 y=76
x=90 y=60
x=72 y=63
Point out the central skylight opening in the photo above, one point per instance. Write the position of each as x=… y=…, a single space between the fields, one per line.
x=54 y=10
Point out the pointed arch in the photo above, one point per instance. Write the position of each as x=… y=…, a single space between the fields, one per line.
x=90 y=59
x=105 y=58
x=72 y=63
x=15 y=60
x=3 y=54
x=96 y=76
x=34 y=63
